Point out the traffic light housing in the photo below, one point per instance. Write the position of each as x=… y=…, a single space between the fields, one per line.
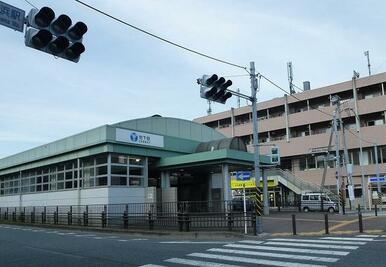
x=56 y=36
x=275 y=155
x=214 y=88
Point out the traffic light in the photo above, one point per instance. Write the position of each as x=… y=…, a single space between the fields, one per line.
x=55 y=36
x=214 y=88
x=275 y=155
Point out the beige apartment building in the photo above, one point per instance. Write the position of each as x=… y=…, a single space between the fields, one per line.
x=300 y=125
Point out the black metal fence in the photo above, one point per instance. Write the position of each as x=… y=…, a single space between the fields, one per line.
x=181 y=216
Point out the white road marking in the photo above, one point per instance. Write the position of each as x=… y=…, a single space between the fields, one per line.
x=192 y=242
x=199 y=263
x=367 y=235
x=123 y=240
x=152 y=265
x=274 y=255
x=383 y=235
x=84 y=235
x=291 y=244
x=250 y=260
x=139 y=239
x=348 y=238
x=319 y=241
x=298 y=250
x=98 y=237
x=251 y=242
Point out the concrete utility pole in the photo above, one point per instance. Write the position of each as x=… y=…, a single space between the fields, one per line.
x=255 y=131
x=290 y=77
x=367 y=54
x=357 y=121
x=335 y=100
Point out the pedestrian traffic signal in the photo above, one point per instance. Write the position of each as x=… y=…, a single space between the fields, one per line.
x=214 y=88
x=275 y=155
x=55 y=36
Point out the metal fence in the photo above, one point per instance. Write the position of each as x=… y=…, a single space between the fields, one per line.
x=181 y=216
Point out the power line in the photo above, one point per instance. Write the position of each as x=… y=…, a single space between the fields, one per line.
x=28 y=2
x=161 y=38
x=274 y=84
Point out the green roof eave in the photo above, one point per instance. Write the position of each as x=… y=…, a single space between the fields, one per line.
x=211 y=157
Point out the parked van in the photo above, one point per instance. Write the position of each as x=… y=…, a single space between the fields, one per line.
x=313 y=202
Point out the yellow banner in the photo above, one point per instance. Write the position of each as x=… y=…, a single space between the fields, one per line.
x=237 y=184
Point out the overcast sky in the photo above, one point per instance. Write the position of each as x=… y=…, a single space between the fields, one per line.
x=125 y=74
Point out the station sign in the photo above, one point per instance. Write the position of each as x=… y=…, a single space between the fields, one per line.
x=12 y=17
x=377 y=179
x=139 y=138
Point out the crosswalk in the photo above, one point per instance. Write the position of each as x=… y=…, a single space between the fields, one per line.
x=291 y=252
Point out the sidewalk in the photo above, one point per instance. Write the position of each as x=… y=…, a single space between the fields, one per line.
x=313 y=223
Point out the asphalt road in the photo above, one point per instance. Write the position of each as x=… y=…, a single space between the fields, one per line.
x=32 y=246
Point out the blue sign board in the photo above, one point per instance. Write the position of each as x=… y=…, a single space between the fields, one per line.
x=377 y=179
x=12 y=17
x=243 y=175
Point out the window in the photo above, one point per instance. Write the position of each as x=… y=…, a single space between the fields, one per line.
x=314 y=197
x=118 y=180
x=305 y=197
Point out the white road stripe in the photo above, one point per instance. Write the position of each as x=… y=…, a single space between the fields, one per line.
x=348 y=238
x=383 y=235
x=367 y=235
x=291 y=244
x=152 y=265
x=297 y=250
x=98 y=237
x=139 y=239
x=319 y=241
x=250 y=260
x=251 y=242
x=123 y=240
x=274 y=255
x=192 y=242
x=84 y=235
x=199 y=263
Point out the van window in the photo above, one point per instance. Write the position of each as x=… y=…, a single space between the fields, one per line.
x=306 y=197
x=314 y=197
x=324 y=198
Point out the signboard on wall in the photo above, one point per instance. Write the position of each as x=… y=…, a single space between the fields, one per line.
x=239 y=181
x=139 y=138
x=12 y=17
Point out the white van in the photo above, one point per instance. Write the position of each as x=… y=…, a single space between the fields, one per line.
x=313 y=202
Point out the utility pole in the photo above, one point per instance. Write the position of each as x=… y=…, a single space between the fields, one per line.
x=346 y=162
x=367 y=54
x=238 y=98
x=335 y=100
x=256 y=137
x=377 y=169
x=357 y=121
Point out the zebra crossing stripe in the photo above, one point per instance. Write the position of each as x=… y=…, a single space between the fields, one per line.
x=319 y=241
x=251 y=242
x=297 y=250
x=253 y=261
x=274 y=255
x=152 y=265
x=199 y=263
x=367 y=235
x=348 y=238
x=310 y=245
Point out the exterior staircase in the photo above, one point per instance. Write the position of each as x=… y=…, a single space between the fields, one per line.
x=298 y=185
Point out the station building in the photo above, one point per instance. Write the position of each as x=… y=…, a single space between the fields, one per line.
x=300 y=125
x=137 y=161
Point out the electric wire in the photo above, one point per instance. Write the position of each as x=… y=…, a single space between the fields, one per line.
x=28 y=2
x=161 y=38
x=188 y=49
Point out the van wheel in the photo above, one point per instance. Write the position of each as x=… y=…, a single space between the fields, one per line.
x=331 y=210
x=306 y=209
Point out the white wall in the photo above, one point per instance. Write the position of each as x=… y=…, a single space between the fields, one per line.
x=112 y=195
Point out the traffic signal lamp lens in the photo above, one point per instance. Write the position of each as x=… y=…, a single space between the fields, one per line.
x=211 y=80
x=58 y=45
x=77 y=31
x=41 y=39
x=61 y=24
x=44 y=17
x=74 y=51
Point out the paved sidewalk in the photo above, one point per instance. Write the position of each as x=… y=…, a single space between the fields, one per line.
x=313 y=223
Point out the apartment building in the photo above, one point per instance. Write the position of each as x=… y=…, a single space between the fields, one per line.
x=300 y=125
